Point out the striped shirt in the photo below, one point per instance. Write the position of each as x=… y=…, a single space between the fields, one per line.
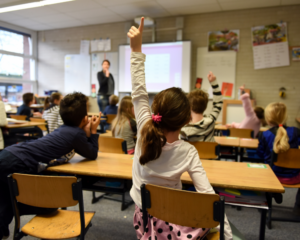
x=52 y=116
x=204 y=130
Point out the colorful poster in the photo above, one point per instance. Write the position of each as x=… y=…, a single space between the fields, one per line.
x=296 y=53
x=223 y=40
x=227 y=89
x=270 y=46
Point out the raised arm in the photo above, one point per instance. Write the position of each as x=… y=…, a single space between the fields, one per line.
x=245 y=97
x=217 y=97
x=139 y=93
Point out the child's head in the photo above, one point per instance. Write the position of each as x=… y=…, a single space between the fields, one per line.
x=113 y=100
x=276 y=116
x=28 y=98
x=260 y=114
x=124 y=113
x=73 y=109
x=174 y=108
x=55 y=98
x=198 y=100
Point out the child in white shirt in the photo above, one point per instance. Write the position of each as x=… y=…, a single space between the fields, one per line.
x=160 y=157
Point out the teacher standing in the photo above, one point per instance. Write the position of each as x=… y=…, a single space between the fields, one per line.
x=106 y=85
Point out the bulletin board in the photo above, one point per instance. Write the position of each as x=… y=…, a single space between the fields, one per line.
x=223 y=65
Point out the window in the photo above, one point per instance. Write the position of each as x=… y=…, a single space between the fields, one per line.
x=16 y=60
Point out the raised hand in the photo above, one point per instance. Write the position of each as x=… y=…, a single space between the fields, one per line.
x=95 y=121
x=135 y=36
x=211 y=77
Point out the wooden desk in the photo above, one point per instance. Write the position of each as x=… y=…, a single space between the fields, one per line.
x=224 y=127
x=107 y=134
x=34 y=106
x=228 y=141
x=220 y=173
x=23 y=125
x=249 y=143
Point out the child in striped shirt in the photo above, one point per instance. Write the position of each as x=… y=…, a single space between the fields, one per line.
x=51 y=113
x=201 y=127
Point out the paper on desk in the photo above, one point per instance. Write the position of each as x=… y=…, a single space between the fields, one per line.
x=16 y=121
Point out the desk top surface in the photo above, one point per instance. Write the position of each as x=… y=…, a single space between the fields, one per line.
x=220 y=174
x=224 y=127
x=249 y=143
x=228 y=141
x=27 y=124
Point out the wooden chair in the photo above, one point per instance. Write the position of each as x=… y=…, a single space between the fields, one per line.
x=207 y=150
x=241 y=133
x=185 y=208
x=110 y=118
x=112 y=145
x=49 y=192
x=43 y=128
x=288 y=159
x=19 y=117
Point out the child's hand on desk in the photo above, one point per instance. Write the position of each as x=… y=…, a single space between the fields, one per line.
x=211 y=77
x=87 y=129
x=95 y=121
x=135 y=36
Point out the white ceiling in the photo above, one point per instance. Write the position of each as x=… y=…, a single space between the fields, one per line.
x=88 y=12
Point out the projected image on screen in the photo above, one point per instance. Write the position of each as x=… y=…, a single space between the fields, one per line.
x=167 y=65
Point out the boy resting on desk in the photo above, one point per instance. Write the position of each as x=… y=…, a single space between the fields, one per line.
x=202 y=127
x=77 y=134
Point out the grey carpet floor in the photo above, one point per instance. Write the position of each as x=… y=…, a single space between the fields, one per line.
x=110 y=223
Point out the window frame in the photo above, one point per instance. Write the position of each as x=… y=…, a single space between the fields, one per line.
x=33 y=34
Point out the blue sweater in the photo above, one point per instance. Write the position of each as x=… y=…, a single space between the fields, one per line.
x=55 y=145
x=110 y=109
x=25 y=110
x=265 y=148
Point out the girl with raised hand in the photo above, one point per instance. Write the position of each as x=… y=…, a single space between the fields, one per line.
x=160 y=156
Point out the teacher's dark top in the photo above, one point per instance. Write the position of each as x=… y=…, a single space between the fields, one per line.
x=106 y=84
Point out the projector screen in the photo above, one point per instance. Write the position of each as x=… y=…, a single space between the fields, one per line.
x=167 y=65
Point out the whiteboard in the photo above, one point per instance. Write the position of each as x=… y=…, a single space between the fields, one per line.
x=222 y=64
x=97 y=59
x=77 y=74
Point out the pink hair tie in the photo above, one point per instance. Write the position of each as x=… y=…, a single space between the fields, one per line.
x=280 y=125
x=156 y=118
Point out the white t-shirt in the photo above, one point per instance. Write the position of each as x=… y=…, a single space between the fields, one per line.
x=175 y=159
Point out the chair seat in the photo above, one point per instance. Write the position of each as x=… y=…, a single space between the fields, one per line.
x=291 y=186
x=61 y=224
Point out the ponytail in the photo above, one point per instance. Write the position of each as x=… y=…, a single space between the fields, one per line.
x=281 y=142
x=152 y=142
x=47 y=103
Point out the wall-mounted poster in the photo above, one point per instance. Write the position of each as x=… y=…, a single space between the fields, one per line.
x=296 y=53
x=223 y=40
x=270 y=46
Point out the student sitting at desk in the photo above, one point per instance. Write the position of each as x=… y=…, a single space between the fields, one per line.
x=160 y=157
x=124 y=125
x=51 y=113
x=112 y=108
x=25 y=109
x=77 y=134
x=254 y=116
x=280 y=138
x=202 y=127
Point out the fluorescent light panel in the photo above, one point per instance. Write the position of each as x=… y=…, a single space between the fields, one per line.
x=31 y=5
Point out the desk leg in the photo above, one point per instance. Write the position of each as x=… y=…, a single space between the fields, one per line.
x=241 y=154
x=262 y=228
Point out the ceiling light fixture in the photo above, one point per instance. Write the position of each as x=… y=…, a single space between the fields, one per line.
x=31 y=5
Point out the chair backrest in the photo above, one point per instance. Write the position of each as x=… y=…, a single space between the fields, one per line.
x=184 y=208
x=112 y=145
x=43 y=128
x=288 y=159
x=207 y=150
x=45 y=191
x=241 y=133
x=110 y=118
x=19 y=117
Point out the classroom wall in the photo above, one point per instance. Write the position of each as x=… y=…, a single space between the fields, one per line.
x=53 y=45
